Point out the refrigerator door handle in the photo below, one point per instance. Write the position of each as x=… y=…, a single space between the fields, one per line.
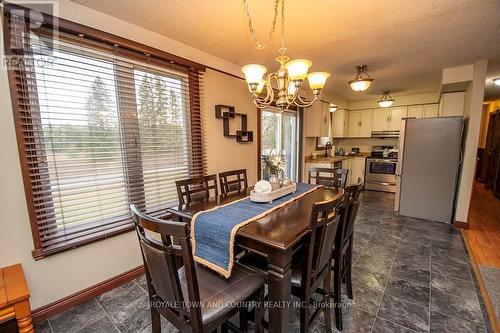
x=461 y=156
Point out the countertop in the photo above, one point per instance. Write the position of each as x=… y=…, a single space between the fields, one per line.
x=330 y=159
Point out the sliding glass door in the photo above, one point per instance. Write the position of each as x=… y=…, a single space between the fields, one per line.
x=279 y=135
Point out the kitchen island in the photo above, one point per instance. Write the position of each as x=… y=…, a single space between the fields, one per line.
x=354 y=163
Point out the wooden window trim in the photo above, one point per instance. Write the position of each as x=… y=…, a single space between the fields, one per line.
x=127 y=49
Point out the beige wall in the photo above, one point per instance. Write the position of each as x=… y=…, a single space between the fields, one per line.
x=225 y=153
x=62 y=274
x=472 y=121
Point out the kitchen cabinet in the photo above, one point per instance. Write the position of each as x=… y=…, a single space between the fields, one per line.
x=415 y=111
x=431 y=110
x=340 y=123
x=360 y=124
x=388 y=119
x=317 y=120
x=357 y=171
x=423 y=111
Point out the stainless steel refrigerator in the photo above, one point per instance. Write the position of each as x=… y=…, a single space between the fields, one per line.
x=429 y=161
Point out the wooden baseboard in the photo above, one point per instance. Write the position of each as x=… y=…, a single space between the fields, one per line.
x=63 y=304
x=461 y=225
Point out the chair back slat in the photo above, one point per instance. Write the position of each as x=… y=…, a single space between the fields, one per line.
x=232 y=181
x=351 y=205
x=196 y=189
x=324 y=222
x=161 y=261
x=335 y=178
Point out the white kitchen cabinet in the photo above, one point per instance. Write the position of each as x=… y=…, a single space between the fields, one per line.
x=396 y=115
x=430 y=110
x=452 y=104
x=357 y=171
x=388 y=119
x=317 y=120
x=347 y=164
x=365 y=126
x=360 y=124
x=340 y=123
x=415 y=111
x=308 y=166
x=380 y=119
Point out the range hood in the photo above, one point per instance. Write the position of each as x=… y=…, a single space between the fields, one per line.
x=385 y=134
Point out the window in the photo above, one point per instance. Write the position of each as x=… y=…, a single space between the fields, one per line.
x=99 y=131
x=279 y=135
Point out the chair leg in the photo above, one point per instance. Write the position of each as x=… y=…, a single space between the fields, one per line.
x=348 y=275
x=327 y=310
x=223 y=329
x=243 y=320
x=337 y=295
x=259 y=312
x=155 y=321
x=304 y=314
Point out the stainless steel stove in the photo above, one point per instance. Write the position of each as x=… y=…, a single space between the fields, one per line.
x=381 y=165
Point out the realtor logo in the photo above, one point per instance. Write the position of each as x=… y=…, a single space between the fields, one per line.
x=33 y=27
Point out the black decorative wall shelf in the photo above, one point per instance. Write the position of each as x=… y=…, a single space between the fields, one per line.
x=226 y=113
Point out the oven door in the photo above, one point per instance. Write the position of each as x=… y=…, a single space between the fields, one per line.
x=381 y=170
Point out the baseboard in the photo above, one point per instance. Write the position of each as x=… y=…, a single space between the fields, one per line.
x=461 y=225
x=63 y=304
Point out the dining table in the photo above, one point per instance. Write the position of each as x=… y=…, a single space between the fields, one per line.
x=273 y=236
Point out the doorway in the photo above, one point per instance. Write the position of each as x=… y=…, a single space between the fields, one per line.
x=279 y=134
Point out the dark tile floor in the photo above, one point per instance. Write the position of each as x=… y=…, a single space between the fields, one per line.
x=409 y=275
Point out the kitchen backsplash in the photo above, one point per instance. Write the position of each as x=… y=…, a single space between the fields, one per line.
x=364 y=144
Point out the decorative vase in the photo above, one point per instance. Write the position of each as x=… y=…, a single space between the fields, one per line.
x=275 y=181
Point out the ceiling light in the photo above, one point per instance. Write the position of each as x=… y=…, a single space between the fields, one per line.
x=333 y=107
x=497 y=81
x=287 y=79
x=386 y=99
x=362 y=80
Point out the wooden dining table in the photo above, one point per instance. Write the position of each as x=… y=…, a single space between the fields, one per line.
x=273 y=236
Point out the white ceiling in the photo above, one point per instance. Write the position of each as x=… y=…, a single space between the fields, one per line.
x=405 y=43
x=492 y=91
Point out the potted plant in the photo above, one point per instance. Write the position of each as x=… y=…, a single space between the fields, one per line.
x=275 y=164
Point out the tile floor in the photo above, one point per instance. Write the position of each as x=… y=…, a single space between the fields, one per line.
x=409 y=275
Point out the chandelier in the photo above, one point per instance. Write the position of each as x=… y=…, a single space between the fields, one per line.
x=362 y=80
x=288 y=78
x=386 y=99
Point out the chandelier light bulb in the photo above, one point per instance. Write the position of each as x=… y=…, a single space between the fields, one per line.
x=297 y=69
x=333 y=107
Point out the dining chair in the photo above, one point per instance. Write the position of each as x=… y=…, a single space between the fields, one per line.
x=196 y=189
x=329 y=177
x=313 y=270
x=343 y=247
x=190 y=296
x=232 y=181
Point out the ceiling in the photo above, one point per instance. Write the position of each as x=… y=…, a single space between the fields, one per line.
x=491 y=91
x=405 y=43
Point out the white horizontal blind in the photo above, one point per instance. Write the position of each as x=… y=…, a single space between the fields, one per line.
x=101 y=132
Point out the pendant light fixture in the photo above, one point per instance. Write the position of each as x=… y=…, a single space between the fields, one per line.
x=497 y=81
x=287 y=79
x=362 y=80
x=386 y=99
x=333 y=107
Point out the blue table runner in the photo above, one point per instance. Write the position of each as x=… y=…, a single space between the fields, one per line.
x=213 y=231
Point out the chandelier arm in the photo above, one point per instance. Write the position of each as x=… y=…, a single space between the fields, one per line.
x=303 y=104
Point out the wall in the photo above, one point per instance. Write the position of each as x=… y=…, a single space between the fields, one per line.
x=472 y=124
x=62 y=274
x=364 y=144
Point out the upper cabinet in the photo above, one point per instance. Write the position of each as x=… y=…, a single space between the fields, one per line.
x=339 y=123
x=423 y=111
x=317 y=120
x=360 y=124
x=388 y=119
